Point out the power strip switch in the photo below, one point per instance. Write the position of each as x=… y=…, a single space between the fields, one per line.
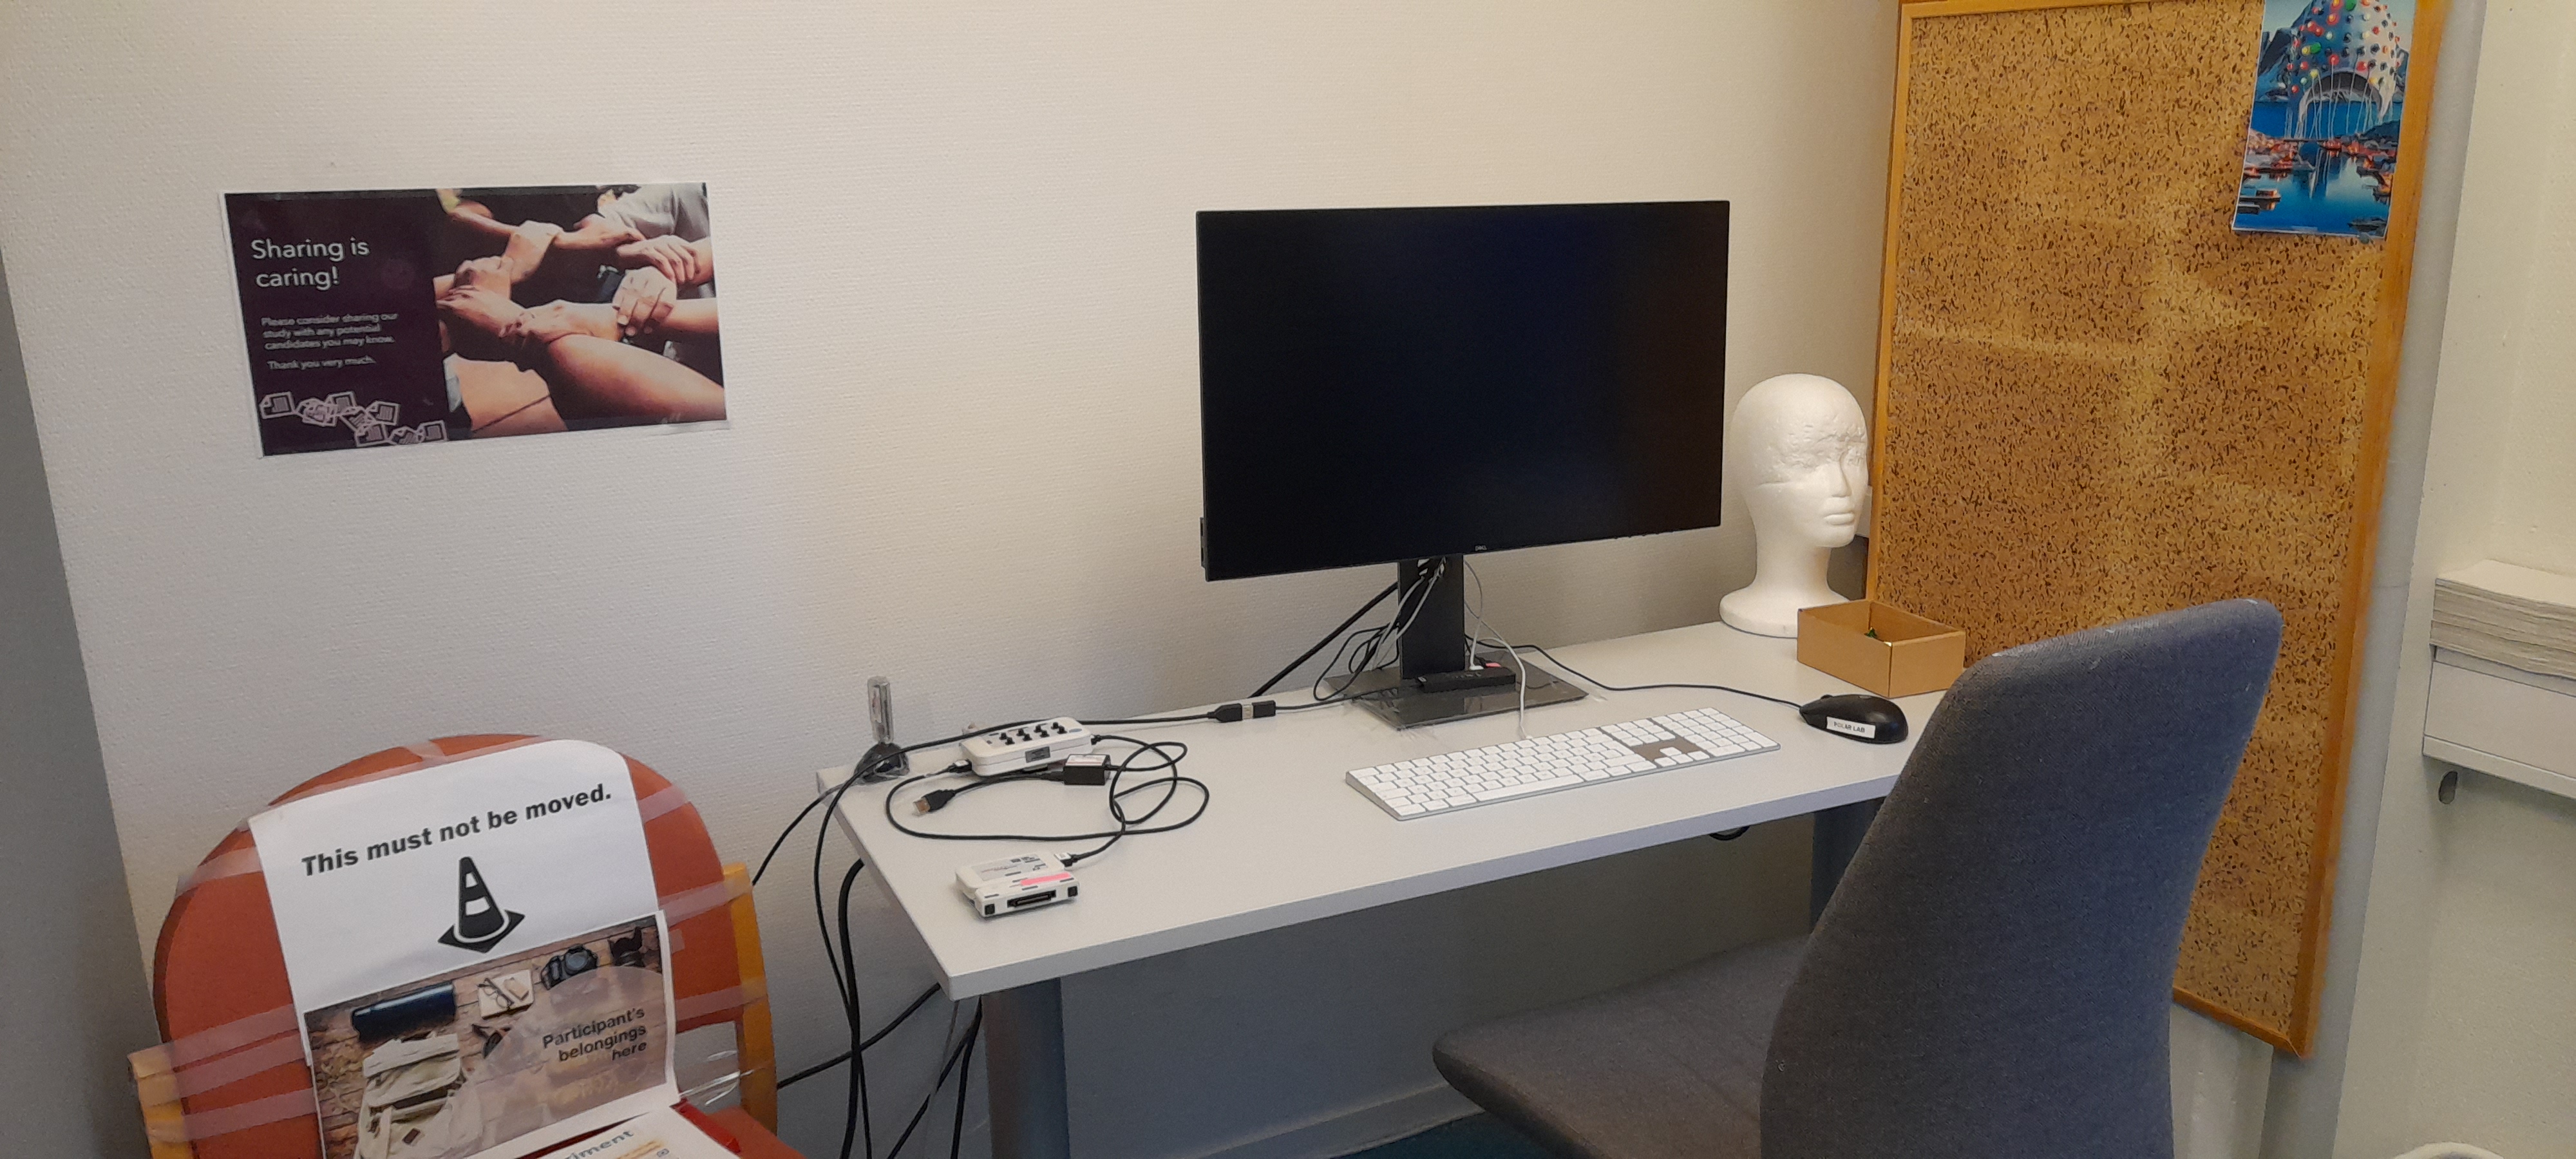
x=1026 y=746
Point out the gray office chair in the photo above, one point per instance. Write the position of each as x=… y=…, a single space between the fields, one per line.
x=1992 y=977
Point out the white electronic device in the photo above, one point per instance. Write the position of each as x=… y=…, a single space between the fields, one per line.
x=1544 y=764
x=1013 y=884
x=1022 y=746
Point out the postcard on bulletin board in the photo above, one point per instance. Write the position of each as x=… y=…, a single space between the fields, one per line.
x=379 y=318
x=2329 y=102
x=477 y=958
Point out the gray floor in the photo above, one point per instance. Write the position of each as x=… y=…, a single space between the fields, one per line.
x=1473 y=1137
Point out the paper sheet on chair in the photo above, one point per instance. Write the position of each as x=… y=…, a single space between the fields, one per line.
x=661 y=1134
x=476 y=954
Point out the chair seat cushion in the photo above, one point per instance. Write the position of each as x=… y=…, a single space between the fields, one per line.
x=1668 y=1068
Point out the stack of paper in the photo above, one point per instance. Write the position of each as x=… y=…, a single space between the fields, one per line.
x=2518 y=616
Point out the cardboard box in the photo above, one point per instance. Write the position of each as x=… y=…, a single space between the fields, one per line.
x=1881 y=647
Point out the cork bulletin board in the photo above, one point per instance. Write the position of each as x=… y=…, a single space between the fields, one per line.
x=2096 y=400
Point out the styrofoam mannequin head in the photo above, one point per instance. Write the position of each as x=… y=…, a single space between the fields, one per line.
x=1797 y=450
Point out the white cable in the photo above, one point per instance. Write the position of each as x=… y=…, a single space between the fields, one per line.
x=1520 y=667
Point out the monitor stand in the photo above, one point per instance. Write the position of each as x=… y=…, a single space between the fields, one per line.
x=1438 y=643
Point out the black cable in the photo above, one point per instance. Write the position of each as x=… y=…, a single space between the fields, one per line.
x=918 y=1002
x=857 y=1120
x=822 y=922
x=1342 y=698
x=1169 y=752
x=888 y=1028
x=1570 y=671
x=831 y=793
x=1359 y=662
x=1389 y=636
x=1329 y=637
x=783 y=834
x=939 y=799
x=1196 y=716
x=1407 y=607
x=1118 y=797
x=972 y=1028
x=965 y=1079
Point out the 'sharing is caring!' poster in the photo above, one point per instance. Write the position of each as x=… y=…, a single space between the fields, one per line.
x=383 y=318
x=2329 y=99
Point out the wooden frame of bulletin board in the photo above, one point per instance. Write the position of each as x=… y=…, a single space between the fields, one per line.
x=2097 y=400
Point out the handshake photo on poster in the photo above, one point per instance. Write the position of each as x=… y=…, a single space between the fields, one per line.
x=393 y=317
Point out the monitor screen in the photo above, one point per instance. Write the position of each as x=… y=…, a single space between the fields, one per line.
x=1389 y=384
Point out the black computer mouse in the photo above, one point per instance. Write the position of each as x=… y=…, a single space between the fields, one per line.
x=1857 y=715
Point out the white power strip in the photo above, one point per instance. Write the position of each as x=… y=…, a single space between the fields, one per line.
x=1024 y=746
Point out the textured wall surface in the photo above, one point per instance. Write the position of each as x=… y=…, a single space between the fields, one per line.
x=2105 y=402
x=957 y=243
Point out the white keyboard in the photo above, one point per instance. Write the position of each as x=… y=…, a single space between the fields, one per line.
x=1544 y=764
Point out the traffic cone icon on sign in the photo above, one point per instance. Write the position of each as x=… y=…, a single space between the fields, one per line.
x=481 y=923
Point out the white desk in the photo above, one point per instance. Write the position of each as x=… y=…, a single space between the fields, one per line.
x=1279 y=798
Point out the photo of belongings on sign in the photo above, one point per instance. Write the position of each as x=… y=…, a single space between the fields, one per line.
x=570 y=964
x=469 y=1061
x=505 y=993
x=409 y=1103
x=416 y=1102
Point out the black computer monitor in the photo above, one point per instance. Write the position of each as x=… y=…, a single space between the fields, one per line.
x=1411 y=385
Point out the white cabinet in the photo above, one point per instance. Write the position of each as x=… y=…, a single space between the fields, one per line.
x=2517 y=725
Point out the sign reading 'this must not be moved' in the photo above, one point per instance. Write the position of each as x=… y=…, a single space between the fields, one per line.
x=476 y=955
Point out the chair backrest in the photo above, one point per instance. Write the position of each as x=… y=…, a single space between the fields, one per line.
x=1993 y=975
x=231 y=1059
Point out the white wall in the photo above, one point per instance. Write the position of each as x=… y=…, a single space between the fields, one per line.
x=2532 y=144
x=957 y=241
x=2458 y=1024
x=73 y=1003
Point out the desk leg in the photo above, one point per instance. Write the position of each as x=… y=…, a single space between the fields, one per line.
x=1024 y=1029
x=1838 y=834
